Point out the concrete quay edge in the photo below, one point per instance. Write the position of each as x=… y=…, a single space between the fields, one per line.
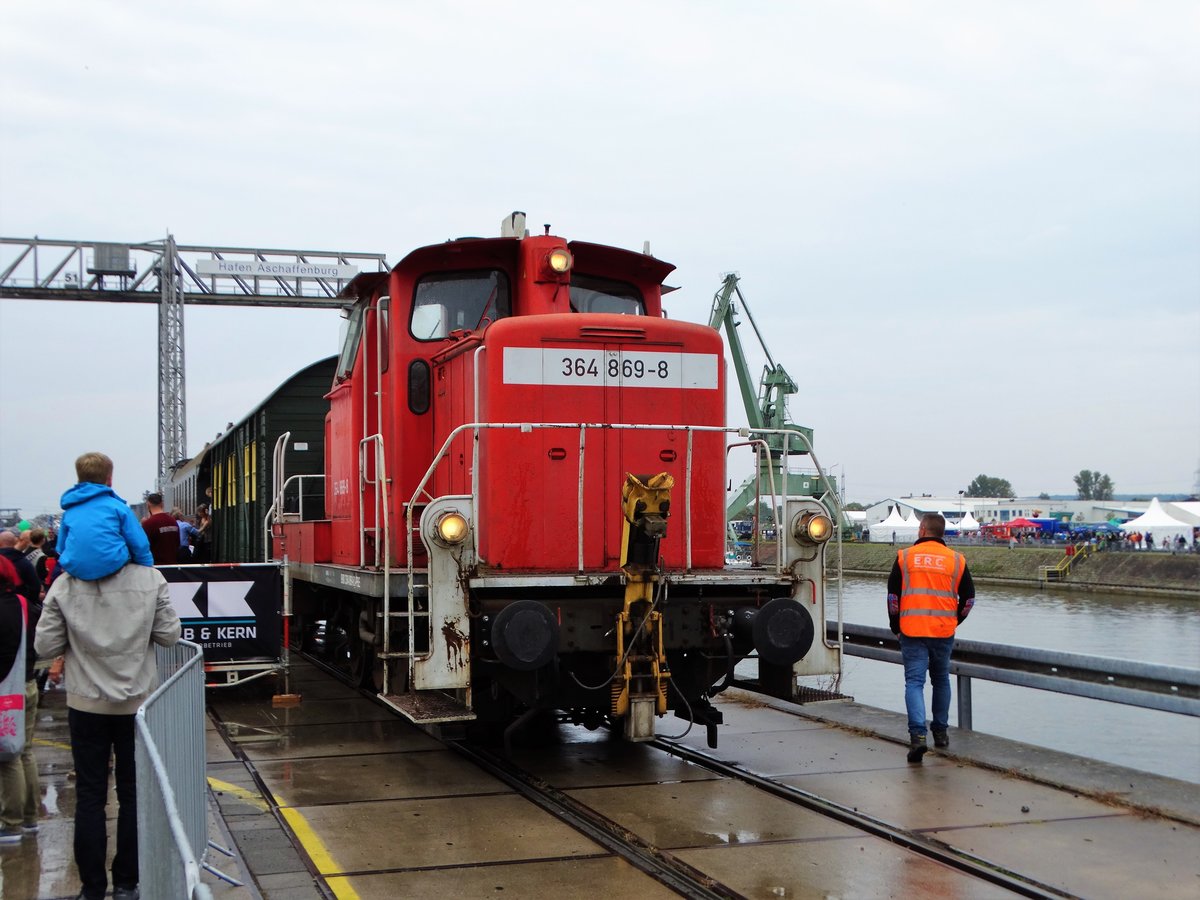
x=1170 y=798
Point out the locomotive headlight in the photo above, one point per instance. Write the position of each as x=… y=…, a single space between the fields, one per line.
x=559 y=260
x=451 y=528
x=812 y=528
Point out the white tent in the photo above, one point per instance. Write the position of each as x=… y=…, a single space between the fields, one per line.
x=893 y=529
x=1160 y=523
x=1184 y=510
x=912 y=520
x=968 y=523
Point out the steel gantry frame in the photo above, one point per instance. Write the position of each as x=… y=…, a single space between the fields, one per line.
x=172 y=388
x=173 y=276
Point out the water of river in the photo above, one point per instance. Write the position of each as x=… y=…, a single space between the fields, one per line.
x=1165 y=631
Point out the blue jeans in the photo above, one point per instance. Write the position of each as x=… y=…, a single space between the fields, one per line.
x=922 y=655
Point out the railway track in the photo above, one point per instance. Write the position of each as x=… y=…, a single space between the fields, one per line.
x=685 y=879
x=912 y=841
x=659 y=864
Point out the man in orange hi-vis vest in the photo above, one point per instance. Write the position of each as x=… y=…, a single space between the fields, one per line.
x=929 y=593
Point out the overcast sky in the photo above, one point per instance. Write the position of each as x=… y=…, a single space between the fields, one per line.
x=971 y=231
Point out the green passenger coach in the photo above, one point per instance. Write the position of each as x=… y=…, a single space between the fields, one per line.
x=233 y=472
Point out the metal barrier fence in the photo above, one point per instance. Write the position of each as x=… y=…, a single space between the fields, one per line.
x=171 y=787
x=1130 y=682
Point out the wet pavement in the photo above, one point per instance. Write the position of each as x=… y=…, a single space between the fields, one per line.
x=42 y=866
x=971 y=797
x=337 y=797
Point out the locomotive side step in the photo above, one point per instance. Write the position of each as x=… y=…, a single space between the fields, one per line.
x=428 y=707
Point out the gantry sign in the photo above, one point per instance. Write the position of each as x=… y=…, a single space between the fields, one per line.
x=171 y=275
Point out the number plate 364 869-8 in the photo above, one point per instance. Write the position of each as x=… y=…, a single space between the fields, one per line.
x=600 y=368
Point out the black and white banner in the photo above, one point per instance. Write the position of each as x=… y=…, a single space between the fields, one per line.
x=232 y=611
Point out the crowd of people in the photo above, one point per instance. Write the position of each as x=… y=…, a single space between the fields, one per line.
x=1099 y=539
x=89 y=599
x=1136 y=540
x=174 y=538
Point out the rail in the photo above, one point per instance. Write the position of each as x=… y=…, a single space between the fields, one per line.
x=421 y=492
x=1060 y=570
x=1171 y=689
x=171 y=788
x=277 y=511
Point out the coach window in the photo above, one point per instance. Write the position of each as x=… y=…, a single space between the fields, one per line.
x=458 y=301
x=590 y=294
x=351 y=335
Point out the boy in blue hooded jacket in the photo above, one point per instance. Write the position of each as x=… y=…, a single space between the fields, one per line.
x=99 y=532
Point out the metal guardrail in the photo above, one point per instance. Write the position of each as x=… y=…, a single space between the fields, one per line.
x=171 y=787
x=1130 y=682
x=1062 y=569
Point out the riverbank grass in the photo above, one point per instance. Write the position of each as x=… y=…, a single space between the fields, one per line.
x=1133 y=571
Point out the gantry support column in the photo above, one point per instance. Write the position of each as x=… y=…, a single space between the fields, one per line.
x=172 y=404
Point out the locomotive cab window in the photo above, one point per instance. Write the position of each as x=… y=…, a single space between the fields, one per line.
x=590 y=294
x=384 y=326
x=458 y=301
x=351 y=335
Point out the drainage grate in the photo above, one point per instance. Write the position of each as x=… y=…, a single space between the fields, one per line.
x=816 y=695
x=803 y=694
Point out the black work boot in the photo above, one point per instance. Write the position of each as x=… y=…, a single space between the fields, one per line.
x=916 y=748
x=941 y=739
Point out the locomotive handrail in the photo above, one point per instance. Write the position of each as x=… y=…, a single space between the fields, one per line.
x=277 y=483
x=381 y=473
x=759 y=445
x=1173 y=689
x=379 y=494
x=476 y=427
x=276 y=510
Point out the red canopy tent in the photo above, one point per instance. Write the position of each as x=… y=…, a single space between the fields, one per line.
x=1002 y=531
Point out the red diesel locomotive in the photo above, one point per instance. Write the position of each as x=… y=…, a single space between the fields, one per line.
x=525 y=482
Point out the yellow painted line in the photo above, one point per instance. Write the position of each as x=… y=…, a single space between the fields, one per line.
x=313 y=845
x=318 y=853
x=57 y=745
x=252 y=797
x=341 y=888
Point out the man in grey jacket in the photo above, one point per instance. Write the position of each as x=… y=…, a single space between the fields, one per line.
x=107 y=629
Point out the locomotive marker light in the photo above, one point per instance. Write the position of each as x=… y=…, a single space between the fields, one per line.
x=451 y=528
x=640 y=692
x=559 y=261
x=812 y=527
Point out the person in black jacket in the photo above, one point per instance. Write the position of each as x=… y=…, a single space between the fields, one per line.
x=27 y=577
x=20 y=795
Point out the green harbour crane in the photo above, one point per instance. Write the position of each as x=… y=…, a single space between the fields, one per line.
x=766 y=408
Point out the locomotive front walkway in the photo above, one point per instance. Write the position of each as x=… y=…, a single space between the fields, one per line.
x=1081 y=826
